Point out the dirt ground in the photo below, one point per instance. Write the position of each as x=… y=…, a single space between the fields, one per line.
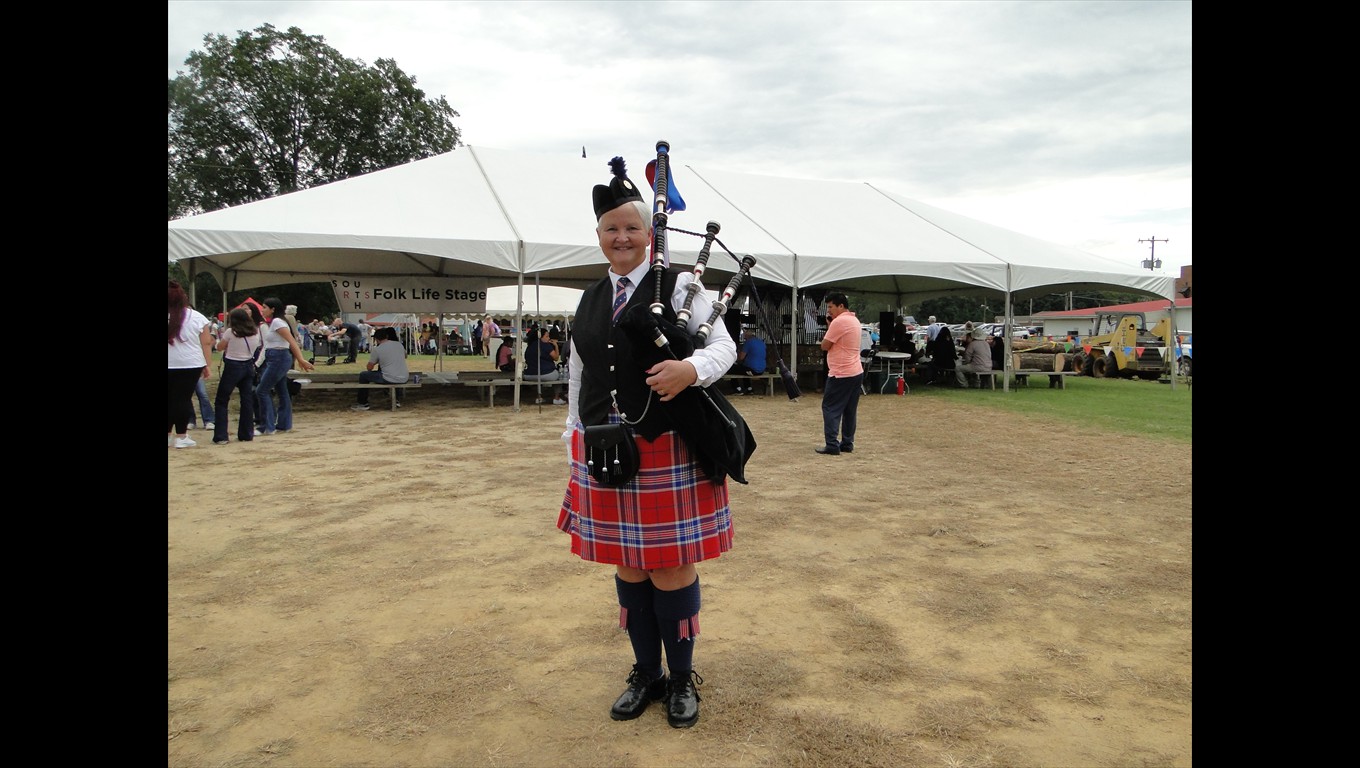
x=966 y=589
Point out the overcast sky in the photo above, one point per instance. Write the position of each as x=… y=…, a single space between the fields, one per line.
x=1066 y=120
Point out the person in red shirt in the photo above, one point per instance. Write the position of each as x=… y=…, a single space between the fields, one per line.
x=845 y=375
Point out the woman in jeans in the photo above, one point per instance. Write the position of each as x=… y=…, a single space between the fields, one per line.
x=239 y=345
x=280 y=351
x=189 y=352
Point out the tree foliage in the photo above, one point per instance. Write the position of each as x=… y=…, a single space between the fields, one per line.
x=274 y=112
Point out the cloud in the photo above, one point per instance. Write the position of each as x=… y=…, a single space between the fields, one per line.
x=1069 y=121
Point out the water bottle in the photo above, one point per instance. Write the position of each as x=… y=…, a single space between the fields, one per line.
x=415 y=378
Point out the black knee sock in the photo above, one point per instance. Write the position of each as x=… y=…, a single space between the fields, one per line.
x=636 y=615
x=677 y=615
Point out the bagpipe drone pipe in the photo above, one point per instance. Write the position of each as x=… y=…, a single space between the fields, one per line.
x=703 y=416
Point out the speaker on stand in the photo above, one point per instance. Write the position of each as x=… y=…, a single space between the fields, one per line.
x=887 y=331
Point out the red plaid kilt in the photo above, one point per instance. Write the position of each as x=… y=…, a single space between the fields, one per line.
x=669 y=515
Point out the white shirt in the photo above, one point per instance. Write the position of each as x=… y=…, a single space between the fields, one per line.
x=272 y=338
x=240 y=348
x=187 y=351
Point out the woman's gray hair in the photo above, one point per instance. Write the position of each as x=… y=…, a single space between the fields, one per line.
x=643 y=211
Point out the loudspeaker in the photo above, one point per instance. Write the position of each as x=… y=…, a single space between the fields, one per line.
x=887 y=330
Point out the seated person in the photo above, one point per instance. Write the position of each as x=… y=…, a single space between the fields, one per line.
x=541 y=356
x=940 y=348
x=386 y=365
x=977 y=358
x=901 y=339
x=505 y=355
x=998 y=352
x=453 y=342
x=750 y=361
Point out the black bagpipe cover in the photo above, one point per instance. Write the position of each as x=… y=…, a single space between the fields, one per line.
x=715 y=432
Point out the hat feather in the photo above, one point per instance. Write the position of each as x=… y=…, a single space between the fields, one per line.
x=617 y=166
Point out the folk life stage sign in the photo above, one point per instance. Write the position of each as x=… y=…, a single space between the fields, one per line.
x=416 y=295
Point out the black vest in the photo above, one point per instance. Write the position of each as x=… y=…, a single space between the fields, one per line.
x=593 y=334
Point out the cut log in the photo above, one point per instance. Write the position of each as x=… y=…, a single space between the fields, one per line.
x=1040 y=361
x=1034 y=347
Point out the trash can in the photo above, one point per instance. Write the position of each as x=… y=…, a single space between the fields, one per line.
x=873 y=381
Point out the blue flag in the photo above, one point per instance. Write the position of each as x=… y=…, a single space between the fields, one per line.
x=674 y=202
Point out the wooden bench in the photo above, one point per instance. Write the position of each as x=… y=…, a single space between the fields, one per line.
x=465 y=376
x=990 y=376
x=769 y=378
x=347 y=381
x=488 y=386
x=1056 y=379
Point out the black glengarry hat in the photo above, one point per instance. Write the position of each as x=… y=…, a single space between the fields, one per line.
x=620 y=190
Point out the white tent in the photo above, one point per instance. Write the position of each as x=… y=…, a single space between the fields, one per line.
x=550 y=302
x=525 y=218
x=502 y=214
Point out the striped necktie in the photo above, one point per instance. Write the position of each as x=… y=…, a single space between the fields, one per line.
x=620 y=298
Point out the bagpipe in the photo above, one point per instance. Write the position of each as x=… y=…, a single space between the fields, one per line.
x=703 y=416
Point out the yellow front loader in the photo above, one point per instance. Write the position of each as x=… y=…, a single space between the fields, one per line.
x=1128 y=349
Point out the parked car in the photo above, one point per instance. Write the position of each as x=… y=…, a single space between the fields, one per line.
x=1017 y=331
x=1183 y=357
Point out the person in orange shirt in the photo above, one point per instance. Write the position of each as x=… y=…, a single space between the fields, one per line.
x=845 y=374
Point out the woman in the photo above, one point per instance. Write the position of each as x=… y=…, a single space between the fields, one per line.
x=490 y=330
x=190 y=343
x=655 y=527
x=540 y=361
x=240 y=345
x=280 y=351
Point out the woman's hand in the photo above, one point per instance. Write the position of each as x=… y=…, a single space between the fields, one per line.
x=670 y=377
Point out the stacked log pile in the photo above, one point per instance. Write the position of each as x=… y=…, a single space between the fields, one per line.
x=1045 y=355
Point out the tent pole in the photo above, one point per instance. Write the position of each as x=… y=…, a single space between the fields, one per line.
x=1006 y=367
x=1173 y=343
x=793 y=320
x=439 y=343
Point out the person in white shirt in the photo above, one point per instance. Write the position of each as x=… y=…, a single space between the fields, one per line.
x=190 y=349
x=240 y=345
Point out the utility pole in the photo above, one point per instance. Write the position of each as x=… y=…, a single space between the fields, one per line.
x=1153 y=262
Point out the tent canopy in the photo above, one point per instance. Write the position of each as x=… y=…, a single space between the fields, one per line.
x=512 y=216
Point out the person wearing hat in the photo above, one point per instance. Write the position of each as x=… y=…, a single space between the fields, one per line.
x=657 y=526
x=977 y=357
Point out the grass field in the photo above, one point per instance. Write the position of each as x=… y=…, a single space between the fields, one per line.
x=1127 y=406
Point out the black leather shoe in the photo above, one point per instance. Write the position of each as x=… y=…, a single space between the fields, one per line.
x=639 y=693
x=848 y=448
x=828 y=450
x=682 y=700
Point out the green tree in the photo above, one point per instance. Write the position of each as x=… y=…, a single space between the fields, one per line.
x=275 y=112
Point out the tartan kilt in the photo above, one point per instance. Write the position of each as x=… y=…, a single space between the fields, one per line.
x=670 y=514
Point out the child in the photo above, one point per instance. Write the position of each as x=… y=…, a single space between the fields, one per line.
x=505 y=356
